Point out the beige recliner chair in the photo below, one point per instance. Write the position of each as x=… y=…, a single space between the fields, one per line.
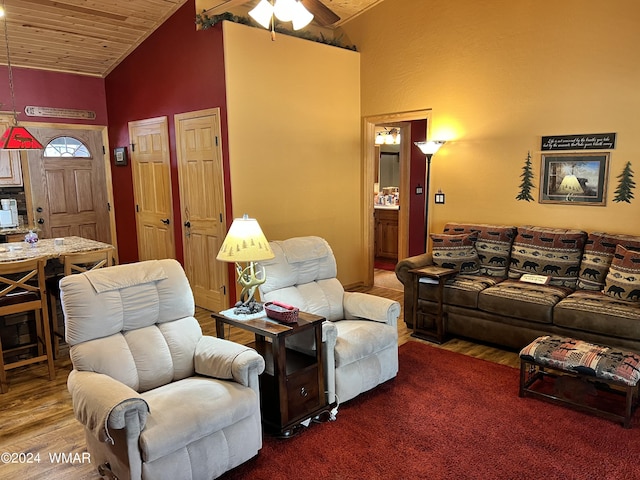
x=158 y=400
x=360 y=336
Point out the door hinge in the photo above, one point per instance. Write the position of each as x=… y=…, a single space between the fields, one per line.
x=220 y=218
x=108 y=207
x=104 y=151
x=224 y=290
x=137 y=208
x=133 y=147
x=216 y=140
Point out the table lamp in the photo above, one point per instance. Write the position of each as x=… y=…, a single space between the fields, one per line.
x=245 y=243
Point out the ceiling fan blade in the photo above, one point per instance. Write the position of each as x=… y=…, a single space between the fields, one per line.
x=322 y=14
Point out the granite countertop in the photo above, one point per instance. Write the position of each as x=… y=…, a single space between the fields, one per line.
x=47 y=248
x=16 y=230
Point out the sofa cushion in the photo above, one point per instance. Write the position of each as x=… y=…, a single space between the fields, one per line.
x=527 y=301
x=358 y=340
x=623 y=279
x=456 y=251
x=462 y=290
x=596 y=312
x=548 y=251
x=598 y=254
x=181 y=413
x=493 y=245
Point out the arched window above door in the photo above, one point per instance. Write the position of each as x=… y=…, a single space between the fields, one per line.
x=66 y=147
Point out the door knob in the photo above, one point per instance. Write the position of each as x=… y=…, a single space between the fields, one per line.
x=187 y=224
x=165 y=221
x=41 y=221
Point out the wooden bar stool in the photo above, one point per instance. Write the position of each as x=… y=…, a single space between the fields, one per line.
x=22 y=290
x=73 y=263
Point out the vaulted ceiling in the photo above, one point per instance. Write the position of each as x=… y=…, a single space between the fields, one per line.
x=90 y=37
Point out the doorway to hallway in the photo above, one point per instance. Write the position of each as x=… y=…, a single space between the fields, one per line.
x=406 y=190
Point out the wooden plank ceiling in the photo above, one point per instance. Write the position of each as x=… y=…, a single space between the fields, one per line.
x=90 y=37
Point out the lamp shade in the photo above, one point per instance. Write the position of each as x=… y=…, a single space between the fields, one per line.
x=429 y=148
x=245 y=242
x=19 y=138
x=262 y=13
x=570 y=184
x=301 y=16
x=284 y=10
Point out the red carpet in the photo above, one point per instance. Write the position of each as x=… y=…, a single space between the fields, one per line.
x=450 y=416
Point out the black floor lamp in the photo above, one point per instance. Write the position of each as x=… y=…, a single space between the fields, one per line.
x=429 y=149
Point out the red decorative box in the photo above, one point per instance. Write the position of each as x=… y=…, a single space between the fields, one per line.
x=282 y=312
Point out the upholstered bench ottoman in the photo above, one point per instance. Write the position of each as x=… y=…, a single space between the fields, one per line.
x=586 y=368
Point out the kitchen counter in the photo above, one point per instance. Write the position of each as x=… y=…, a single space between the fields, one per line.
x=13 y=234
x=386 y=207
x=16 y=230
x=47 y=249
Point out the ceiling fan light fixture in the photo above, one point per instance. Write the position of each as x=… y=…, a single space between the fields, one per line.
x=302 y=17
x=262 y=13
x=285 y=10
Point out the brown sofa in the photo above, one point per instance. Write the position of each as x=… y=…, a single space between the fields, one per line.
x=592 y=291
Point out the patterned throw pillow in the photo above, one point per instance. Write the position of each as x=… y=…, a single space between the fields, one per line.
x=552 y=252
x=493 y=245
x=456 y=251
x=623 y=279
x=598 y=254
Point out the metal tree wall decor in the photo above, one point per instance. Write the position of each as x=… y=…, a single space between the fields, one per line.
x=527 y=183
x=624 y=193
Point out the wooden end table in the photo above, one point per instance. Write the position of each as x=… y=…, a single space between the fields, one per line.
x=292 y=387
x=440 y=275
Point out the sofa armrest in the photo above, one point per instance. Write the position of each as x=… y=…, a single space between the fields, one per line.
x=362 y=306
x=101 y=402
x=223 y=359
x=409 y=281
x=418 y=261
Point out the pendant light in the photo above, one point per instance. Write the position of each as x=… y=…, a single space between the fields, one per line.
x=15 y=137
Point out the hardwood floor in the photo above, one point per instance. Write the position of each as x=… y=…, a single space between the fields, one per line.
x=36 y=416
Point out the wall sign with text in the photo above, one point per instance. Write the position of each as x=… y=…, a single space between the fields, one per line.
x=591 y=141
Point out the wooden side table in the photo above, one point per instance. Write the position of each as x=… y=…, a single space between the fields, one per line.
x=440 y=275
x=292 y=387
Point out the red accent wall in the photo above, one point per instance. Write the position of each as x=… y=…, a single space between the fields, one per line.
x=53 y=89
x=175 y=70
x=416 y=203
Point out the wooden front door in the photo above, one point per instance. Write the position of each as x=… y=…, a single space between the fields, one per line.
x=68 y=184
x=151 y=172
x=202 y=202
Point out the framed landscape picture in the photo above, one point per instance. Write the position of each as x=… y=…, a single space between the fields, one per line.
x=574 y=179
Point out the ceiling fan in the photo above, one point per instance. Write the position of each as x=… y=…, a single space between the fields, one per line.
x=322 y=14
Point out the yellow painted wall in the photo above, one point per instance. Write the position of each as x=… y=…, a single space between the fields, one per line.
x=294 y=139
x=498 y=76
